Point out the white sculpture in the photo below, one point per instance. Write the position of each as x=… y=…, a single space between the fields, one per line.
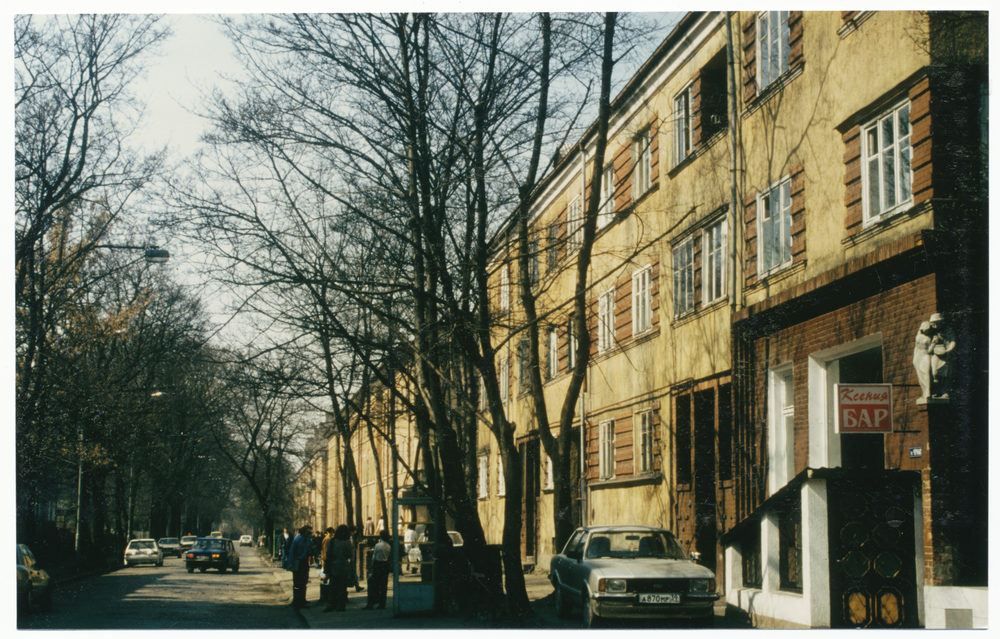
x=931 y=356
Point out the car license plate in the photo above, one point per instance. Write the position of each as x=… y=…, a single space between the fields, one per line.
x=660 y=598
x=201 y=558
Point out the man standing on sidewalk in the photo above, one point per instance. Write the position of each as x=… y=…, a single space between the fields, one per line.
x=298 y=556
x=378 y=582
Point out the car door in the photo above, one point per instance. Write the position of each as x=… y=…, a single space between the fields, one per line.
x=572 y=573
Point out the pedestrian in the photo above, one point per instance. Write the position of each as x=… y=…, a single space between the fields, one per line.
x=378 y=581
x=369 y=527
x=324 y=586
x=317 y=546
x=338 y=568
x=411 y=547
x=380 y=526
x=355 y=582
x=299 y=553
x=286 y=542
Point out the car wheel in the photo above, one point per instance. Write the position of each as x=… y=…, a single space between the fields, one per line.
x=236 y=568
x=590 y=620
x=159 y=563
x=201 y=570
x=190 y=568
x=563 y=606
x=24 y=602
x=222 y=570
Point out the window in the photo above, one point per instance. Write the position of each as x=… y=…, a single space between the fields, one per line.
x=714 y=270
x=772 y=47
x=571 y=343
x=644 y=441
x=504 y=378
x=553 y=352
x=575 y=224
x=548 y=473
x=484 y=476
x=552 y=254
x=887 y=176
x=750 y=549
x=533 y=259
x=504 y=288
x=606 y=321
x=524 y=382
x=501 y=481
x=684 y=278
x=642 y=301
x=607 y=211
x=775 y=214
x=642 y=164
x=780 y=452
x=790 y=548
x=683 y=142
x=607 y=446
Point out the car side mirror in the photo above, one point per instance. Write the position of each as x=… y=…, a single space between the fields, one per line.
x=695 y=556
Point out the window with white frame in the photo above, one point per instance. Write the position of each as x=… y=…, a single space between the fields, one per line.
x=684 y=277
x=504 y=287
x=553 y=352
x=552 y=249
x=772 y=47
x=606 y=321
x=548 y=473
x=504 y=378
x=501 y=480
x=607 y=448
x=781 y=408
x=683 y=126
x=571 y=342
x=642 y=301
x=575 y=220
x=887 y=176
x=714 y=269
x=774 y=211
x=642 y=164
x=607 y=211
x=644 y=441
x=484 y=476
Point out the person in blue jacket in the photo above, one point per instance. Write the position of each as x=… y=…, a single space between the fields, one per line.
x=299 y=556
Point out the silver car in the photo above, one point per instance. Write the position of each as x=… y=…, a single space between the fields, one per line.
x=623 y=572
x=143 y=551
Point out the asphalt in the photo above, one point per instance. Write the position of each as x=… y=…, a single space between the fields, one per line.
x=538 y=588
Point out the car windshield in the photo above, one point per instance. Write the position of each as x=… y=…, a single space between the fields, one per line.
x=634 y=544
x=140 y=545
x=168 y=541
x=209 y=544
x=188 y=539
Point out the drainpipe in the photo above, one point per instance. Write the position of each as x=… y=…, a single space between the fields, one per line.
x=584 y=489
x=731 y=222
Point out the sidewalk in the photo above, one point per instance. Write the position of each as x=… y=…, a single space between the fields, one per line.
x=537 y=585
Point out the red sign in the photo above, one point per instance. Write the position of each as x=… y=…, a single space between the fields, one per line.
x=864 y=408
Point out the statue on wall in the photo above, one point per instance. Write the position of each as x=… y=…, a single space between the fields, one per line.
x=932 y=356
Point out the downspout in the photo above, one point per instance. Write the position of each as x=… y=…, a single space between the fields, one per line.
x=731 y=222
x=584 y=489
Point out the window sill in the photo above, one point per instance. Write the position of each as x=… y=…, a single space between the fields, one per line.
x=700 y=150
x=773 y=89
x=776 y=275
x=636 y=340
x=890 y=221
x=854 y=24
x=703 y=311
x=632 y=480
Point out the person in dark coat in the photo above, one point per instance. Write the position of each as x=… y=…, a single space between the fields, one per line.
x=378 y=581
x=338 y=568
x=299 y=554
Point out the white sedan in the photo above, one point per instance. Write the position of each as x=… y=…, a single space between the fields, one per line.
x=143 y=551
x=630 y=572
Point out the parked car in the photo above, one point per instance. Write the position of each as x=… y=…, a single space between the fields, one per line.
x=246 y=540
x=215 y=533
x=143 y=551
x=630 y=572
x=34 y=586
x=170 y=546
x=187 y=541
x=211 y=552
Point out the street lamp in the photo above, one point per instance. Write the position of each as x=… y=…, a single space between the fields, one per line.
x=152 y=254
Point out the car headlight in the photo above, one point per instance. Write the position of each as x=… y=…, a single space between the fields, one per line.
x=612 y=585
x=702 y=585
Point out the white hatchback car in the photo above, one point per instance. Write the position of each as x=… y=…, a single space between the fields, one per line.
x=143 y=551
x=246 y=540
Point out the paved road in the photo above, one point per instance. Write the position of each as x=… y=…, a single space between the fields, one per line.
x=168 y=598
